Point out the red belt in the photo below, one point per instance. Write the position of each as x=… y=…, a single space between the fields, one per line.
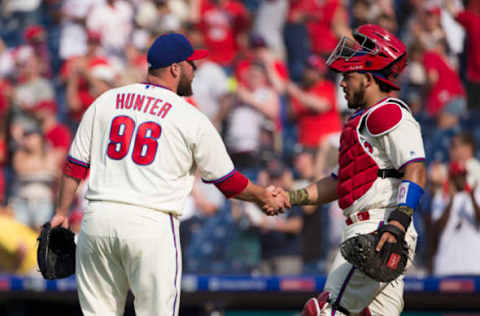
x=362 y=216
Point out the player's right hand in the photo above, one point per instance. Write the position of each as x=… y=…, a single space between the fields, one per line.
x=277 y=201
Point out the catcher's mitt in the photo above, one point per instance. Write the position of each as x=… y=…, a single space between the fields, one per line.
x=56 y=252
x=384 y=266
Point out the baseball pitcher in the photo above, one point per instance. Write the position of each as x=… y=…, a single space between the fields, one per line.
x=140 y=145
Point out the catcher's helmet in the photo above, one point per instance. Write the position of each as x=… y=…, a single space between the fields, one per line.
x=374 y=50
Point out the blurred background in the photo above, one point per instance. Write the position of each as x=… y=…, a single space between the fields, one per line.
x=266 y=87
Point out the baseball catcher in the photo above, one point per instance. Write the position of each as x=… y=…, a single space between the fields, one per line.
x=378 y=181
x=56 y=252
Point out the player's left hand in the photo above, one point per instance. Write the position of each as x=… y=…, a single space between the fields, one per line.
x=388 y=237
x=59 y=220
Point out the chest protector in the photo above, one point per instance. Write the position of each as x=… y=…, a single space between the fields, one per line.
x=357 y=169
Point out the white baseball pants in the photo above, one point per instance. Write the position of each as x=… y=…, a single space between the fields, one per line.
x=353 y=290
x=122 y=247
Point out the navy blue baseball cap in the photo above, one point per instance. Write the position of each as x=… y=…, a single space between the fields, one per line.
x=172 y=48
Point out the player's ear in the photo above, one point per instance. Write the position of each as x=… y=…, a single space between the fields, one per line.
x=175 y=70
x=369 y=80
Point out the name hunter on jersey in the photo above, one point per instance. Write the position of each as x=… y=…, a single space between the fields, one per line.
x=143 y=103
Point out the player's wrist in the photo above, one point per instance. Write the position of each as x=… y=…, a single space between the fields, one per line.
x=395 y=228
x=409 y=194
x=402 y=216
x=298 y=197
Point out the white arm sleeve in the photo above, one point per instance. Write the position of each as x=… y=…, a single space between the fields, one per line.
x=404 y=144
x=81 y=145
x=210 y=153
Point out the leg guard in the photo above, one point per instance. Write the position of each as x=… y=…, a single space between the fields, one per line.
x=315 y=305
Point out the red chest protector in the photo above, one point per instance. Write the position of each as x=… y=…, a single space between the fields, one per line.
x=357 y=169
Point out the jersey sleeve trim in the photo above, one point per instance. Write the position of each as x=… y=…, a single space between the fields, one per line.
x=233 y=185
x=333 y=175
x=75 y=170
x=222 y=179
x=411 y=161
x=78 y=162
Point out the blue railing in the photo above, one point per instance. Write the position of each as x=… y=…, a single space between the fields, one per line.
x=195 y=283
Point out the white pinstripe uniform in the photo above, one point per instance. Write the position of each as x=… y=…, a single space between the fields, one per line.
x=392 y=149
x=142 y=144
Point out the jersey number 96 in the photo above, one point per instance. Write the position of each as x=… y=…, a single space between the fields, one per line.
x=145 y=145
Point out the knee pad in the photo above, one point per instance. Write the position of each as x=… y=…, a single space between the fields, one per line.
x=320 y=306
x=315 y=305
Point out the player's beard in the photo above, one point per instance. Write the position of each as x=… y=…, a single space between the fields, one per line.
x=184 y=88
x=358 y=98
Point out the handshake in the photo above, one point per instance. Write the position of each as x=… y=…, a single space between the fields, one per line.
x=274 y=201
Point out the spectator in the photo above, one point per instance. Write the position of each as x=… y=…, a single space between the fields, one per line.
x=224 y=25
x=314 y=105
x=82 y=88
x=447 y=125
x=326 y=23
x=255 y=103
x=15 y=16
x=36 y=38
x=210 y=87
x=470 y=20
x=30 y=88
x=388 y=22
x=7 y=62
x=456 y=216
x=73 y=34
x=18 y=247
x=57 y=135
x=441 y=92
x=280 y=236
x=5 y=97
x=258 y=52
x=297 y=40
x=113 y=20
x=415 y=79
x=211 y=83
x=426 y=243
x=161 y=16
x=3 y=164
x=361 y=12
x=425 y=27
x=462 y=149
x=35 y=170
x=136 y=62
x=269 y=22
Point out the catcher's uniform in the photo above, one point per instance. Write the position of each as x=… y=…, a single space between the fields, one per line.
x=142 y=144
x=375 y=145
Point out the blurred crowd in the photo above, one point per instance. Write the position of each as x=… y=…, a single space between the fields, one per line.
x=267 y=89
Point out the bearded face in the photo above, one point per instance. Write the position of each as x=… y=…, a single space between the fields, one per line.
x=358 y=98
x=184 y=88
x=354 y=89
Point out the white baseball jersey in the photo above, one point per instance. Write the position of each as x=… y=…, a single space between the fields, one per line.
x=461 y=229
x=143 y=143
x=392 y=142
x=393 y=148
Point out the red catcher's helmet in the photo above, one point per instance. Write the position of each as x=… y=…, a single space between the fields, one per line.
x=374 y=50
